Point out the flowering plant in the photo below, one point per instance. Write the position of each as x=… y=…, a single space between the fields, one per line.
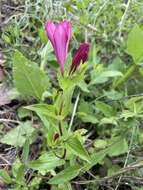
x=63 y=110
x=57 y=116
x=70 y=119
x=60 y=35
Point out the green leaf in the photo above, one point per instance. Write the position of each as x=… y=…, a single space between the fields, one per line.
x=28 y=78
x=15 y=167
x=17 y=136
x=85 y=107
x=109 y=120
x=131 y=69
x=134 y=43
x=113 y=95
x=141 y=71
x=117 y=64
x=100 y=143
x=75 y=146
x=127 y=114
x=86 y=112
x=20 y=179
x=111 y=73
x=35 y=182
x=83 y=86
x=104 y=76
x=117 y=147
x=120 y=146
x=65 y=175
x=46 y=162
x=87 y=118
x=22 y=112
x=25 y=152
x=113 y=169
x=69 y=82
x=132 y=101
x=67 y=102
x=42 y=35
x=65 y=186
x=107 y=110
x=5 y=176
x=44 y=52
x=96 y=158
x=45 y=109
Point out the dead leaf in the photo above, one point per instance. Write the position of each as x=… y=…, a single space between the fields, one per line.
x=2 y=74
x=2 y=60
x=4 y=96
x=2 y=185
x=7 y=95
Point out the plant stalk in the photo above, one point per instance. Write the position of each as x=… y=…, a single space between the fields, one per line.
x=125 y=77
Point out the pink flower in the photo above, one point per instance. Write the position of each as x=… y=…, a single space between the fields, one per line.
x=59 y=35
x=80 y=56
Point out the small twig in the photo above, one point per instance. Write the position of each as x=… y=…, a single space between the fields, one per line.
x=126 y=97
x=127 y=157
x=132 y=96
x=100 y=9
x=91 y=174
x=13 y=8
x=9 y=121
x=5 y=164
x=121 y=24
x=5 y=160
x=120 y=172
x=74 y=111
x=90 y=26
x=133 y=179
x=9 y=19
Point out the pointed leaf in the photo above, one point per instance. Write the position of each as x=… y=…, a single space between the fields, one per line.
x=76 y=147
x=65 y=175
x=46 y=162
x=135 y=43
x=5 y=176
x=28 y=78
x=117 y=148
x=17 y=136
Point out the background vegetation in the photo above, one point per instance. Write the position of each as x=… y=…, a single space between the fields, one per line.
x=107 y=98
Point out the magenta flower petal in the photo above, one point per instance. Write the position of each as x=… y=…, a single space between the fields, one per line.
x=60 y=40
x=80 y=56
x=67 y=26
x=59 y=35
x=50 y=29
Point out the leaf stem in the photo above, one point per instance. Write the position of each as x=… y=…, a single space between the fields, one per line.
x=60 y=112
x=74 y=111
x=126 y=76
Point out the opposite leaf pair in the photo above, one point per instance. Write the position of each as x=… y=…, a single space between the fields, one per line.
x=60 y=35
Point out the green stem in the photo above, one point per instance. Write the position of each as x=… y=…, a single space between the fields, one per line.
x=42 y=65
x=74 y=111
x=60 y=112
x=126 y=76
x=61 y=131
